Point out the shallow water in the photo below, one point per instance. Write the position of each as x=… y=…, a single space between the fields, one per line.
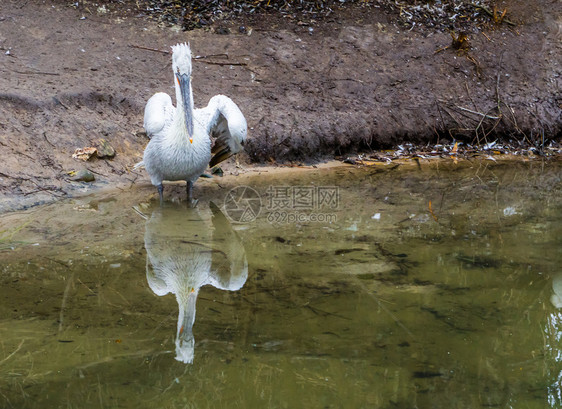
x=389 y=287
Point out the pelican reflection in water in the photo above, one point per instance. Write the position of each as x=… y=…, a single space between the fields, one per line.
x=185 y=252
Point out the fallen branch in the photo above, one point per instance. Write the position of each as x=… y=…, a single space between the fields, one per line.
x=476 y=132
x=35 y=72
x=140 y=47
x=498 y=84
x=201 y=57
x=197 y=58
x=241 y=64
x=477 y=113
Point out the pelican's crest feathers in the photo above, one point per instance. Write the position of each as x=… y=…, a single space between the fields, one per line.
x=181 y=58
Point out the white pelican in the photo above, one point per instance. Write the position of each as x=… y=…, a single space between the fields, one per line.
x=183 y=254
x=180 y=144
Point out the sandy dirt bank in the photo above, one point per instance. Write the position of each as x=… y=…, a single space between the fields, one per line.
x=74 y=77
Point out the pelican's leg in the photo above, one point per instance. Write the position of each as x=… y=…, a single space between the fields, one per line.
x=161 y=193
x=190 y=200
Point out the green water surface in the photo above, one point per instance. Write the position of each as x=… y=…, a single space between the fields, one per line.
x=436 y=286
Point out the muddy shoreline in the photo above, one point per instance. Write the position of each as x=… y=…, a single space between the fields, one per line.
x=355 y=84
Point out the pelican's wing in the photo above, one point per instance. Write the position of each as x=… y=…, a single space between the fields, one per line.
x=226 y=123
x=229 y=269
x=156 y=283
x=158 y=114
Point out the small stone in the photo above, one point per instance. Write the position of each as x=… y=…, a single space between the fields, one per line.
x=84 y=175
x=105 y=150
x=222 y=30
x=217 y=170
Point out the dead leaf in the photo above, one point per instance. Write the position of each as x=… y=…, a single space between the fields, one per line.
x=85 y=153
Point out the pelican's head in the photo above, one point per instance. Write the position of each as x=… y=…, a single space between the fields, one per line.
x=181 y=64
x=181 y=59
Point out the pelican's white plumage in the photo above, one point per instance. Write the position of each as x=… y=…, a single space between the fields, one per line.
x=180 y=144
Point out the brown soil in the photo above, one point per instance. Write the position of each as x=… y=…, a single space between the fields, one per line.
x=355 y=82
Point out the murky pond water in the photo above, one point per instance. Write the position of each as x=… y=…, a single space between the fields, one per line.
x=393 y=287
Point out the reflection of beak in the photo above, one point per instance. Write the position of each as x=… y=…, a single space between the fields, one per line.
x=185 y=343
x=185 y=89
x=187 y=315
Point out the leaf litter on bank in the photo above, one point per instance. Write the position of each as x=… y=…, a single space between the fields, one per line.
x=442 y=15
x=457 y=151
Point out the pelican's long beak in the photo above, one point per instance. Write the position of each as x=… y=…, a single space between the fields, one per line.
x=185 y=89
